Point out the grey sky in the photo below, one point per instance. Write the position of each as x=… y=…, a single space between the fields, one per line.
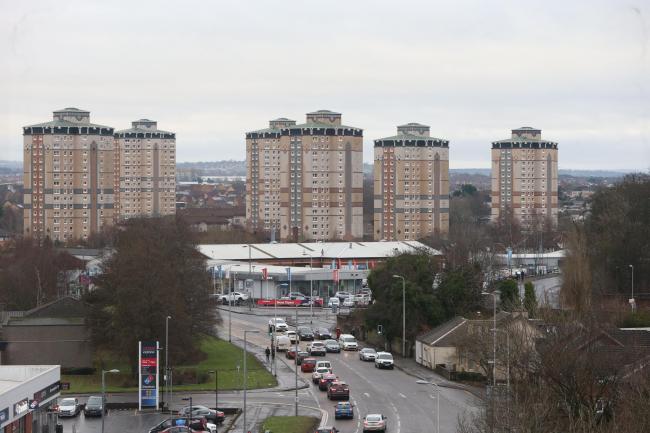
x=211 y=70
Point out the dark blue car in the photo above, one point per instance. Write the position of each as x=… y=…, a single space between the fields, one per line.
x=343 y=409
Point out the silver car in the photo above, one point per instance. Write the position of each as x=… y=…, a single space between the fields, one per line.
x=374 y=422
x=367 y=354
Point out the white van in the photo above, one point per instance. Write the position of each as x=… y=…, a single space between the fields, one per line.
x=348 y=342
x=282 y=343
x=323 y=364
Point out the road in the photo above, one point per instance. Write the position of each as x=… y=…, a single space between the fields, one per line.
x=547 y=290
x=409 y=407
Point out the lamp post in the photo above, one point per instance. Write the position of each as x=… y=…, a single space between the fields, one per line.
x=167 y=359
x=632 y=303
x=494 y=335
x=311 y=287
x=296 y=361
x=230 y=309
x=403 y=314
x=189 y=414
x=246 y=332
x=216 y=388
x=104 y=393
x=424 y=382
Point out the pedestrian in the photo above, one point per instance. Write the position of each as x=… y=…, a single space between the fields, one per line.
x=268 y=353
x=273 y=354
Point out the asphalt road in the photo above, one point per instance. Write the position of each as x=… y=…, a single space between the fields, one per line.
x=408 y=406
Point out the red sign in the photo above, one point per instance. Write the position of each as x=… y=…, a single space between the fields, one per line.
x=278 y=302
x=148 y=362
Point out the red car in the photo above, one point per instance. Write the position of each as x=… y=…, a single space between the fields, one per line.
x=338 y=390
x=291 y=353
x=324 y=381
x=308 y=365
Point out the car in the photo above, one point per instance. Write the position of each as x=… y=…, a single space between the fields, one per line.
x=361 y=300
x=291 y=353
x=317 y=348
x=213 y=416
x=342 y=295
x=279 y=324
x=318 y=373
x=374 y=422
x=308 y=365
x=348 y=342
x=384 y=360
x=234 y=297
x=69 y=407
x=343 y=410
x=334 y=302
x=293 y=336
x=326 y=364
x=322 y=334
x=325 y=380
x=282 y=343
x=301 y=356
x=196 y=424
x=305 y=333
x=348 y=302
x=338 y=390
x=326 y=430
x=332 y=346
x=94 y=406
x=367 y=354
x=178 y=429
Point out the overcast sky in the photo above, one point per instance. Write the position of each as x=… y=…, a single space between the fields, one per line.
x=212 y=70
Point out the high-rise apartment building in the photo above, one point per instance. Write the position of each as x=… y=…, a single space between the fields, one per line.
x=69 y=177
x=306 y=181
x=411 y=185
x=524 y=178
x=145 y=164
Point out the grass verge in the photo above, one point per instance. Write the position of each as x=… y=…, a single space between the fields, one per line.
x=220 y=355
x=290 y=424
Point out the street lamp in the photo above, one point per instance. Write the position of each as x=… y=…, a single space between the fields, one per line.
x=246 y=332
x=189 y=414
x=403 y=314
x=168 y=400
x=216 y=388
x=507 y=366
x=311 y=287
x=104 y=393
x=424 y=382
x=632 y=303
x=494 y=335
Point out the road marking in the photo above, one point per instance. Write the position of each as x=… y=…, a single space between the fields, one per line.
x=366 y=394
x=402 y=395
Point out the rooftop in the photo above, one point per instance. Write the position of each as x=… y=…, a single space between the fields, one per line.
x=324 y=112
x=402 y=137
x=71 y=109
x=12 y=376
x=65 y=123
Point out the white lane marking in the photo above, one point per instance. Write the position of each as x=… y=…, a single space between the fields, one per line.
x=366 y=394
x=399 y=424
x=402 y=395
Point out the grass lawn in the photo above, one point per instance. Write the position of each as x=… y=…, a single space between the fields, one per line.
x=220 y=355
x=290 y=424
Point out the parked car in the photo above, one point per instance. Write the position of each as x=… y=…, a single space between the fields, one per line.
x=234 y=297
x=342 y=295
x=374 y=422
x=282 y=343
x=322 y=334
x=279 y=324
x=332 y=346
x=69 y=407
x=308 y=365
x=384 y=360
x=348 y=342
x=305 y=333
x=318 y=373
x=338 y=390
x=367 y=354
x=343 y=410
x=317 y=348
x=94 y=406
x=334 y=302
x=325 y=380
x=293 y=336
x=213 y=416
x=196 y=424
x=348 y=302
x=301 y=356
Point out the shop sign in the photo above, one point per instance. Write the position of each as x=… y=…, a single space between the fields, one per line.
x=47 y=392
x=4 y=415
x=21 y=407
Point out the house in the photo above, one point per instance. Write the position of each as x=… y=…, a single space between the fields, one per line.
x=55 y=333
x=221 y=218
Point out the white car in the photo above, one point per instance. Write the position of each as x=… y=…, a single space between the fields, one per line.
x=234 y=297
x=342 y=295
x=384 y=360
x=293 y=336
x=348 y=342
x=324 y=364
x=348 y=302
x=318 y=373
x=334 y=301
x=279 y=324
x=367 y=354
x=69 y=407
x=282 y=343
x=374 y=422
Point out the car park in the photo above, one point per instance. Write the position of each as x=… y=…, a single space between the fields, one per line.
x=308 y=365
x=348 y=342
x=367 y=354
x=213 y=416
x=318 y=373
x=325 y=380
x=374 y=422
x=305 y=333
x=317 y=348
x=384 y=360
x=196 y=424
x=68 y=407
x=279 y=324
x=293 y=337
x=94 y=406
x=322 y=334
x=338 y=390
x=343 y=410
x=332 y=346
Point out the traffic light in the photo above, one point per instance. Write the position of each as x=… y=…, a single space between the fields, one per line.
x=380 y=329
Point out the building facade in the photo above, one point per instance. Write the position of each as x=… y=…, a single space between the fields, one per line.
x=305 y=181
x=69 y=176
x=145 y=164
x=411 y=185
x=524 y=178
